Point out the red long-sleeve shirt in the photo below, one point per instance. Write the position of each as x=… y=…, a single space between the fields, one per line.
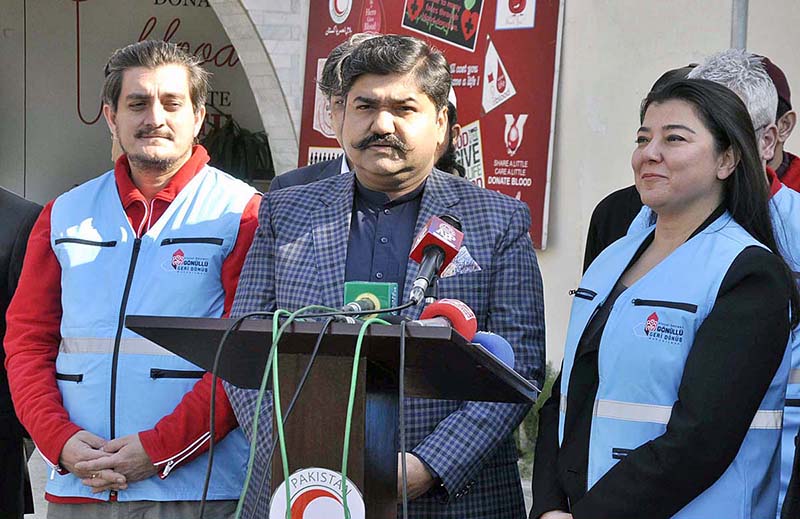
x=33 y=334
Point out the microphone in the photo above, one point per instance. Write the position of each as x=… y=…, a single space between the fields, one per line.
x=364 y=296
x=452 y=313
x=497 y=346
x=434 y=248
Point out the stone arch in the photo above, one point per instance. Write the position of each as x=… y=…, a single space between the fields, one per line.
x=264 y=82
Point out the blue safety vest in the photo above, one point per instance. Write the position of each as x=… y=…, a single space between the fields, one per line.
x=784 y=209
x=644 y=346
x=114 y=382
x=785 y=213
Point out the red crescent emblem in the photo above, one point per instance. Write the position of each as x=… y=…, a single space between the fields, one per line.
x=303 y=500
x=339 y=12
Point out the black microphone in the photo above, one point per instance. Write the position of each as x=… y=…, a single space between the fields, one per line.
x=434 y=249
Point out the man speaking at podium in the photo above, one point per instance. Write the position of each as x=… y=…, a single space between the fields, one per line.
x=359 y=226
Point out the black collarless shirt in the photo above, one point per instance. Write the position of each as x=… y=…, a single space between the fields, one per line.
x=381 y=233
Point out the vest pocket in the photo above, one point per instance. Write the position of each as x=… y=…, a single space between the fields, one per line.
x=619 y=454
x=583 y=293
x=86 y=242
x=69 y=377
x=174 y=241
x=175 y=373
x=686 y=307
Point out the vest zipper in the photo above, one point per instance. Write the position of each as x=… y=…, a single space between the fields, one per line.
x=583 y=293
x=137 y=243
x=175 y=241
x=686 y=307
x=86 y=242
x=175 y=373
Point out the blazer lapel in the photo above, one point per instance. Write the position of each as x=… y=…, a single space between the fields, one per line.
x=438 y=198
x=331 y=229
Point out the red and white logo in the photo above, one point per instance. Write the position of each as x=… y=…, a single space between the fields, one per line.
x=177 y=259
x=515 y=127
x=516 y=6
x=447 y=233
x=339 y=10
x=497 y=85
x=316 y=493
x=652 y=324
x=515 y=14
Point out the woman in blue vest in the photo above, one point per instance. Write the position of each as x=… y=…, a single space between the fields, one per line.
x=670 y=398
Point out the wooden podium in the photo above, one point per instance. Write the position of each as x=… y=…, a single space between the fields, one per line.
x=440 y=364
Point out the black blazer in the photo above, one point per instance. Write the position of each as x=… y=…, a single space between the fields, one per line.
x=17 y=216
x=307 y=174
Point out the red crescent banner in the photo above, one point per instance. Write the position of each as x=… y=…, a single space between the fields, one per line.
x=503 y=57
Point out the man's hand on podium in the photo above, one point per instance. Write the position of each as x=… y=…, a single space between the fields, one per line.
x=419 y=480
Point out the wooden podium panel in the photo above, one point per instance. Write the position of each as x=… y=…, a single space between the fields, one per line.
x=439 y=364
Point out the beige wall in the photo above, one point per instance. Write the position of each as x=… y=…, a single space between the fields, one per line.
x=612 y=53
x=772 y=31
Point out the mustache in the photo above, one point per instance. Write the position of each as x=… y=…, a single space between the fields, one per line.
x=152 y=131
x=390 y=140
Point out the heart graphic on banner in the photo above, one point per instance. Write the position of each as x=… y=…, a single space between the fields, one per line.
x=414 y=8
x=469 y=24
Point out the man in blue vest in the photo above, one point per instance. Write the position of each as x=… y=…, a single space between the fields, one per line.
x=121 y=421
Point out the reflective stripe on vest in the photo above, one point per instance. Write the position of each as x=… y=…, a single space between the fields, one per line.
x=133 y=346
x=651 y=413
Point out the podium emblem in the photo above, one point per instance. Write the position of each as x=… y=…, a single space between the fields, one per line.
x=316 y=493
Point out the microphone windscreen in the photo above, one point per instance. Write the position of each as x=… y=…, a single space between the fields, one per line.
x=461 y=316
x=439 y=233
x=497 y=346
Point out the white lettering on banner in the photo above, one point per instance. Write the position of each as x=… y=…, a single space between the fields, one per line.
x=469 y=152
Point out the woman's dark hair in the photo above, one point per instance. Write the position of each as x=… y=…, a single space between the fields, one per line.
x=746 y=194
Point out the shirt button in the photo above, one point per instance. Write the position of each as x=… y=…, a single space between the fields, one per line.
x=384 y=239
x=386 y=211
x=379 y=275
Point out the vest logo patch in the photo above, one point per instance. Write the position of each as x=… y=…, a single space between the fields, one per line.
x=650 y=326
x=655 y=329
x=177 y=259
x=183 y=264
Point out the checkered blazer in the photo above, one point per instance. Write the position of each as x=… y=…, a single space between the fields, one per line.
x=298 y=258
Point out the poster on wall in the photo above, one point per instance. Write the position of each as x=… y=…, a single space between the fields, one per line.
x=503 y=57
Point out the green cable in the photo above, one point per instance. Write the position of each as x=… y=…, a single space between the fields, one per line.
x=350 y=403
x=271 y=356
x=276 y=393
x=276 y=335
x=256 y=414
